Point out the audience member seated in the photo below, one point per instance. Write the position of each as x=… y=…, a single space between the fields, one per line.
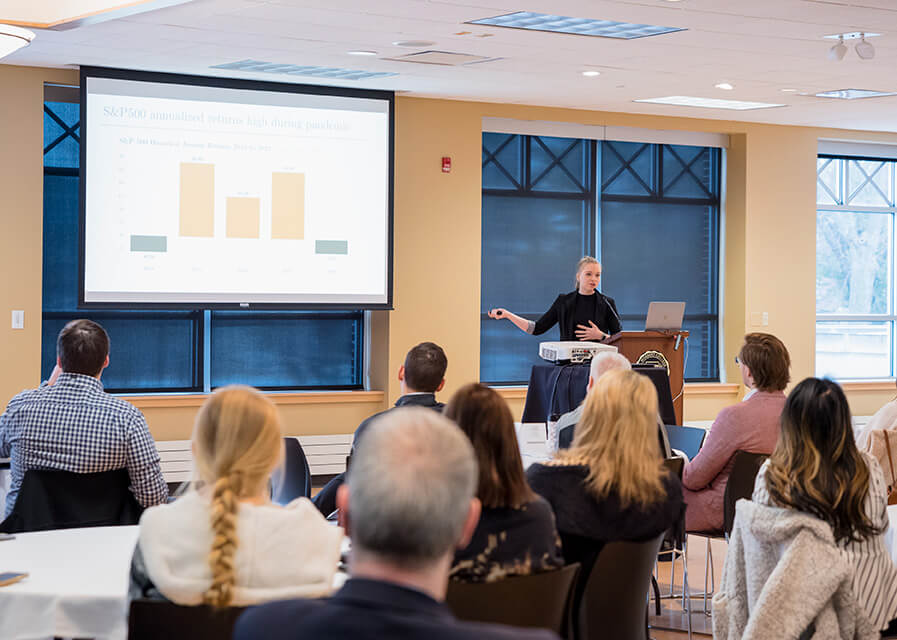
x=601 y=364
x=516 y=534
x=611 y=484
x=422 y=375
x=751 y=425
x=817 y=469
x=408 y=504
x=224 y=543
x=884 y=418
x=70 y=424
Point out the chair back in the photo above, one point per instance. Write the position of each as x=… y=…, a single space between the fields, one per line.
x=614 y=602
x=153 y=619
x=741 y=483
x=51 y=499
x=538 y=600
x=294 y=479
x=688 y=440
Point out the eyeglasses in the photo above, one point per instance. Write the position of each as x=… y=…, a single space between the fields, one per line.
x=737 y=360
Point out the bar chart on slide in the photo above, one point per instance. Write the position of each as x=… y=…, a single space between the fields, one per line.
x=220 y=200
x=197 y=196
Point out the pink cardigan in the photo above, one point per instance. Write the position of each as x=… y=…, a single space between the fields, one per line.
x=751 y=425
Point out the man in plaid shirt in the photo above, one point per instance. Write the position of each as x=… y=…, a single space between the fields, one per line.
x=69 y=423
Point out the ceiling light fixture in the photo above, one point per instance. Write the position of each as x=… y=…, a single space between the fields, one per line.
x=864 y=50
x=709 y=103
x=414 y=44
x=13 y=38
x=361 y=52
x=591 y=74
x=838 y=51
x=788 y=90
x=725 y=86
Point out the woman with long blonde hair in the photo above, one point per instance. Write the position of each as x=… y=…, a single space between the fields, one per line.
x=611 y=484
x=582 y=314
x=224 y=543
x=817 y=469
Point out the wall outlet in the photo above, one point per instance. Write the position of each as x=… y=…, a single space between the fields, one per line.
x=18 y=319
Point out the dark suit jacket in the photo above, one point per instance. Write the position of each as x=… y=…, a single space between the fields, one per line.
x=561 y=313
x=411 y=400
x=365 y=609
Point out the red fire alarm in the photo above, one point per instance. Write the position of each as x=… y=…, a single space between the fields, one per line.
x=446 y=164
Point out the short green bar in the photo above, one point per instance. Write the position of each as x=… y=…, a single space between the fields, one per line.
x=159 y=244
x=332 y=247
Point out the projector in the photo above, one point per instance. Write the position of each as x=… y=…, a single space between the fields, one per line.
x=572 y=351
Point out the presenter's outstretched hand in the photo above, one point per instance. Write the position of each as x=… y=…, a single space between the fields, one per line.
x=592 y=332
x=498 y=313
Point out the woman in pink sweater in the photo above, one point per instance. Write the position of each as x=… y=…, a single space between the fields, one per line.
x=751 y=425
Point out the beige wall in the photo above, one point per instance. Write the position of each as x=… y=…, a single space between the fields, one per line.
x=769 y=249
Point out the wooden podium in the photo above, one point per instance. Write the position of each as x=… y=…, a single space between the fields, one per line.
x=636 y=345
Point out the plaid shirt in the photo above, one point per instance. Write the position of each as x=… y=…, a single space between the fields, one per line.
x=75 y=426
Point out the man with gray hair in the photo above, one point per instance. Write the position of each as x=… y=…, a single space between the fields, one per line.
x=602 y=363
x=409 y=503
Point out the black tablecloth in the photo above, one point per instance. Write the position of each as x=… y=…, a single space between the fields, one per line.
x=557 y=389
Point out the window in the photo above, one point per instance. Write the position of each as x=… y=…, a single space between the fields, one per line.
x=179 y=351
x=649 y=212
x=855 y=311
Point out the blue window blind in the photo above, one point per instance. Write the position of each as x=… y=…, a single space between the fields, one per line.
x=287 y=350
x=652 y=210
x=167 y=351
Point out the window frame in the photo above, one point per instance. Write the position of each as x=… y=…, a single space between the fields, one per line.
x=841 y=206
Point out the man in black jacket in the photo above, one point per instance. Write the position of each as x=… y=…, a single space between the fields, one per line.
x=409 y=503
x=420 y=378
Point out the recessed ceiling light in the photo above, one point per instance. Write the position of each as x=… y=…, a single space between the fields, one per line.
x=591 y=74
x=788 y=90
x=724 y=86
x=853 y=94
x=414 y=44
x=575 y=26
x=709 y=103
x=361 y=52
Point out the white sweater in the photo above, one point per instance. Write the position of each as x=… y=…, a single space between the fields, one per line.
x=282 y=552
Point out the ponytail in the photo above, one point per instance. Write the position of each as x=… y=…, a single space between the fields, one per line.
x=224 y=544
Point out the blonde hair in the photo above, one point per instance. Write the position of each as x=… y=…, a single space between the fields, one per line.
x=579 y=265
x=237 y=442
x=617 y=439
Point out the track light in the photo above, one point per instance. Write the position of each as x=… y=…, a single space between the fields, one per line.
x=865 y=50
x=838 y=51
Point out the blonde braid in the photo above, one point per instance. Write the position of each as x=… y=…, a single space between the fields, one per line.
x=224 y=545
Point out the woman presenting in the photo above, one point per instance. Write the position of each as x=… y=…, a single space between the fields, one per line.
x=584 y=314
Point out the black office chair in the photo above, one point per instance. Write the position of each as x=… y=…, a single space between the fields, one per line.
x=50 y=499
x=613 y=603
x=154 y=619
x=540 y=600
x=740 y=485
x=294 y=479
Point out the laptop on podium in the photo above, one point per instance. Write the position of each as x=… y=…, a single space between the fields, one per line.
x=665 y=316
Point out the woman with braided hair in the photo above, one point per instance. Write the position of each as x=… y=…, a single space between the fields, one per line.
x=224 y=543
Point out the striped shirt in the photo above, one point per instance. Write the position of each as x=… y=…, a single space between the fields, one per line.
x=875 y=576
x=75 y=426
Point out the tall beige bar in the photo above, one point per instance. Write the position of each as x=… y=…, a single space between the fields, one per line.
x=288 y=206
x=197 y=200
x=242 y=217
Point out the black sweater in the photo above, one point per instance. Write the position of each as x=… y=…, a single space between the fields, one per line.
x=562 y=314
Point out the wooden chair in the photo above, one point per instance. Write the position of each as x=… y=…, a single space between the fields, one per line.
x=154 y=619
x=539 y=600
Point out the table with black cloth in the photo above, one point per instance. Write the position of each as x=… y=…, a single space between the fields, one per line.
x=557 y=389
